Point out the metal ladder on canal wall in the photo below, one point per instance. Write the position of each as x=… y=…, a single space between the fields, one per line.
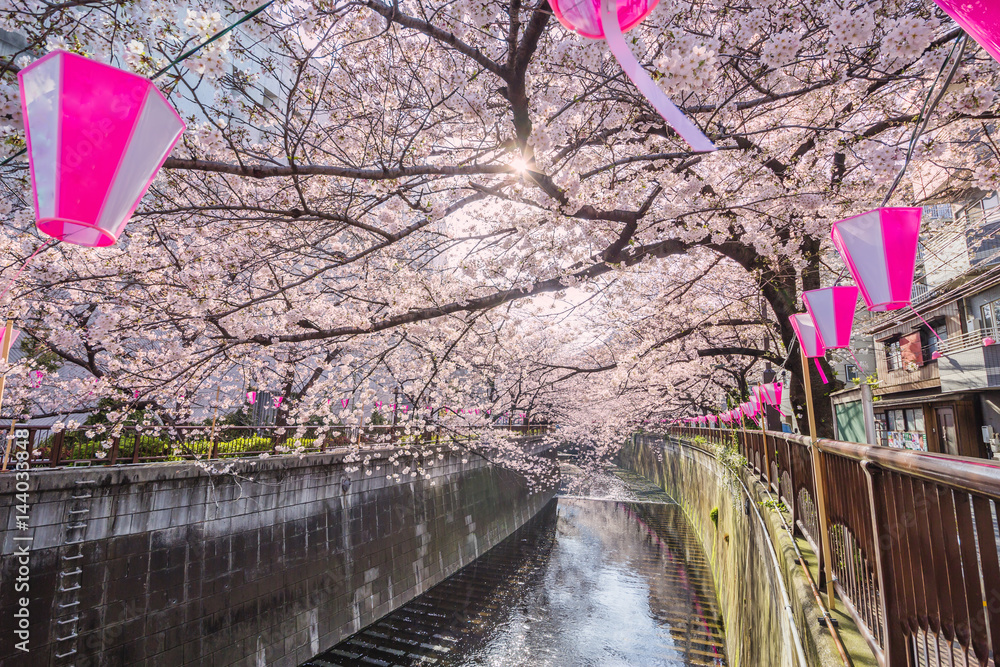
x=66 y=613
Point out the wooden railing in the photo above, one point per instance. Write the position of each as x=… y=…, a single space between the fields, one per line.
x=913 y=536
x=150 y=444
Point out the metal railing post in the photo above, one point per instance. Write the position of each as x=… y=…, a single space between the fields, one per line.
x=136 y=441
x=114 y=448
x=55 y=455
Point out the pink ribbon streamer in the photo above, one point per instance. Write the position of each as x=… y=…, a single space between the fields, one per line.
x=670 y=113
x=940 y=340
x=820 y=369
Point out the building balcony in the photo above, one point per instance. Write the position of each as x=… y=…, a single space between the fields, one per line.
x=967 y=341
x=967 y=364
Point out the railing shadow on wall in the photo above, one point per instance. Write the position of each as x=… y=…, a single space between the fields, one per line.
x=85 y=446
x=913 y=536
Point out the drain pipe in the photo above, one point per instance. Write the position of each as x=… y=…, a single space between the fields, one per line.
x=812 y=584
x=781 y=580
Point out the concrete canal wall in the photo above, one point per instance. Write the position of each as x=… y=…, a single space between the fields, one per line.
x=757 y=626
x=165 y=564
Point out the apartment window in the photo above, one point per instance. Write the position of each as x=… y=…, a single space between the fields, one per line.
x=852 y=372
x=987 y=313
x=914 y=419
x=893 y=354
x=931 y=338
x=881 y=428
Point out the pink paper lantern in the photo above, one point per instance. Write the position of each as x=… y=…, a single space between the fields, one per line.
x=251 y=397
x=584 y=16
x=770 y=393
x=805 y=330
x=344 y=402
x=277 y=401
x=609 y=19
x=832 y=309
x=979 y=18
x=880 y=250
x=97 y=136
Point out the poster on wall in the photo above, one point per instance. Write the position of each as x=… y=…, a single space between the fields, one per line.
x=907 y=440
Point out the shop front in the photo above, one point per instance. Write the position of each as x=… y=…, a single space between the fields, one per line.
x=944 y=424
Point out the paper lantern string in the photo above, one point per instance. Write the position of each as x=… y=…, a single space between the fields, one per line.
x=670 y=113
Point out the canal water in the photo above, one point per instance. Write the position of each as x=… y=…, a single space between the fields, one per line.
x=609 y=574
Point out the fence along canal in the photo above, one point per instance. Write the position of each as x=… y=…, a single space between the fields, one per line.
x=913 y=537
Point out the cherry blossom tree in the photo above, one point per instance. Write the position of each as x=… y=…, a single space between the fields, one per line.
x=463 y=204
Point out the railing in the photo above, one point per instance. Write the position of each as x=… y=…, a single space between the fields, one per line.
x=150 y=444
x=968 y=341
x=913 y=539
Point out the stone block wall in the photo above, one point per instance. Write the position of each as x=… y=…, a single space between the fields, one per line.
x=165 y=564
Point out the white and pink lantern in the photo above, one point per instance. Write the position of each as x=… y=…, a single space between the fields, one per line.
x=880 y=250
x=770 y=393
x=251 y=397
x=808 y=336
x=979 y=18
x=97 y=136
x=608 y=19
x=832 y=310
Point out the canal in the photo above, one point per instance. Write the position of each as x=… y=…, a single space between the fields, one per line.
x=608 y=574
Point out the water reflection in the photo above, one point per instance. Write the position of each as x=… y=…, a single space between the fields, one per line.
x=589 y=582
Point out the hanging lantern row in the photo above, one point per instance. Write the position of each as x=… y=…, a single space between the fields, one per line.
x=879 y=249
